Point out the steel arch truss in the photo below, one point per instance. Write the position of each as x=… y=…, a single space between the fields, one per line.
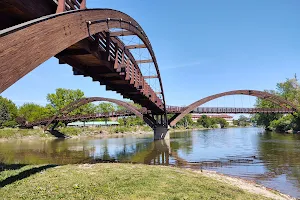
x=59 y=34
x=263 y=95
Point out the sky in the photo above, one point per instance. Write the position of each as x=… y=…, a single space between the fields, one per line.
x=202 y=48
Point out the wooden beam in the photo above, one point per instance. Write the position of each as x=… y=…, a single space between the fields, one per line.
x=73 y=52
x=121 y=33
x=144 y=61
x=139 y=46
x=147 y=77
x=61 y=7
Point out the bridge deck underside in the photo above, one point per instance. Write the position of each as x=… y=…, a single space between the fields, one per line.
x=81 y=56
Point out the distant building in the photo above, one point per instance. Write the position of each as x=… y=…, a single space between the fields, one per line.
x=228 y=118
x=93 y=124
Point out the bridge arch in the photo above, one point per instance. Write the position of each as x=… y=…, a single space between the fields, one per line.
x=49 y=35
x=83 y=101
x=260 y=94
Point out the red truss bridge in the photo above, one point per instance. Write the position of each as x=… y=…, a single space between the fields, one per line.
x=89 y=41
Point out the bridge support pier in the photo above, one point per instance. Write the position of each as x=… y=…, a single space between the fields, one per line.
x=161 y=132
x=159 y=125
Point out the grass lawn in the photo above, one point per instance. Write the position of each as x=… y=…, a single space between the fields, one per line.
x=112 y=181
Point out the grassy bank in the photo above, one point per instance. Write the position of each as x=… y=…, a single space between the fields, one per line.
x=16 y=133
x=113 y=181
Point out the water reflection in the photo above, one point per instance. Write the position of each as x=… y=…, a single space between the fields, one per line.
x=268 y=158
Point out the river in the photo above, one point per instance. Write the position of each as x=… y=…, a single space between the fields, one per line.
x=270 y=159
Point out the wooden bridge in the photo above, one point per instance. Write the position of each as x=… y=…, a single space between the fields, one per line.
x=32 y=31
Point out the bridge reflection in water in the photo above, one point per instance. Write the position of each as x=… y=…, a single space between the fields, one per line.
x=125 y=150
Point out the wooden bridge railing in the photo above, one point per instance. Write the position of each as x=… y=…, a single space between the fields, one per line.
x=66 y=5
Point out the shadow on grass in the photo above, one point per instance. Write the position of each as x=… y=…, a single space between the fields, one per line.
x=24 y=174
x=58 y=134
x=4 y=166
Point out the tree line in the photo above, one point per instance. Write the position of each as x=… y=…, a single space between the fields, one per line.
x=11 y=115
x=204 y=121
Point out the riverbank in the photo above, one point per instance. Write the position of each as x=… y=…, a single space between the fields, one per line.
x=123 y=181
x=77 y=132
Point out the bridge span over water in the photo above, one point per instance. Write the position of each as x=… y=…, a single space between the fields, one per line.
x=170 y=110
x=89 y=40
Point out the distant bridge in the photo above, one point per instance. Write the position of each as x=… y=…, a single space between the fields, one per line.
x=170 y=110
x=223 y=110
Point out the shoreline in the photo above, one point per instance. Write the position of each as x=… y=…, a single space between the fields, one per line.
x=85 y=133
x=250 y=186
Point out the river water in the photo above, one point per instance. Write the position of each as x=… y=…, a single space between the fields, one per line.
x=270 y=159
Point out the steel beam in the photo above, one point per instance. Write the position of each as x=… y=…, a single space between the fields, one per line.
x=121 y=33
x=138 y=46
x=147 y=77
x=144 y=61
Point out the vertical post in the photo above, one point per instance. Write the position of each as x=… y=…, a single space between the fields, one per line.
x=61 y=7
x=107 y=38
x=116 y=56
x=83 y=4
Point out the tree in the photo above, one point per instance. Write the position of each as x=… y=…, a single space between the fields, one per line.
x=63 y=97
x=4 y=114
x=243 y=120
x=32 y=112
x=290 y=91
x=131 y=121
x=223 y=123
x=265 y=119
x=105 y=108
x=186 y=121
x=8 y=113
x=205 y=121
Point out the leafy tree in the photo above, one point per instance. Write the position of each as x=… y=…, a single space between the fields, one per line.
x=32 y=112
x=105 y=108
x=131 y=121
x=282 y=124
x=205 y=121
x=63 y=97
x=235 y=122
x=223 y=123
x=186 y=121
x=290 y=91
x=8 y=113
x=243 y=120
x=263 y=119
x=4 y=114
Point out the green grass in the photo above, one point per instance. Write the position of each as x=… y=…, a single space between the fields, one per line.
x=117 y=181
x=11 y=133
x=20 y=133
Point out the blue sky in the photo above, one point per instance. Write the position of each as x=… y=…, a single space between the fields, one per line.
x=202 y=48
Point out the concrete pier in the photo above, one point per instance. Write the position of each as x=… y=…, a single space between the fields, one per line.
x=161 y=132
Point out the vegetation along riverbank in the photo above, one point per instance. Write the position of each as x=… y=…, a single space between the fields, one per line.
x=99 y=181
